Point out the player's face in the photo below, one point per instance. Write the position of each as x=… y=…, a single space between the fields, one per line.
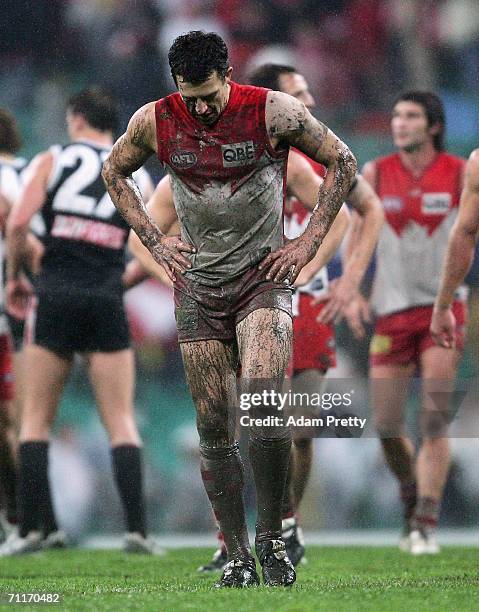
x=409 y=126
x=295 y=85
x=207 y=100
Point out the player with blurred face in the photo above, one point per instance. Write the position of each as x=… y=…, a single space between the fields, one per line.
x=420 y=187
x=77 y=308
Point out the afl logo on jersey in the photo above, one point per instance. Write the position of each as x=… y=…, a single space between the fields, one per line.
x=436 y=203
x=183 y=159
x=393 y=204
x=238 y=154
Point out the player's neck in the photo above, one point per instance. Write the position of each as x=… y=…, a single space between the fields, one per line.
x=417 y=161
x=6 y=156
x=101 y=138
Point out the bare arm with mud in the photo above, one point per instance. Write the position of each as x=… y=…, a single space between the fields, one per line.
x=290 y=123
x=129 y=153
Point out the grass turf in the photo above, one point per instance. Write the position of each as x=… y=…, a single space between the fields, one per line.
x=334 y=579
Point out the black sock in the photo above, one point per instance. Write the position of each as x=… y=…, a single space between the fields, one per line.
x=287 y=510
x=129 y=480
x=32 y=484
x=48 y=519
x=222 y=473
x=269 y=460
x=8 y=480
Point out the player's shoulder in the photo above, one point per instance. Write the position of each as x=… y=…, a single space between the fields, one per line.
x=453 y=161
x=383 y=161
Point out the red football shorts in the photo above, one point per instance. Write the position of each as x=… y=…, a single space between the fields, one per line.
x=6 y=368
x=314 y=345
x=401 y=337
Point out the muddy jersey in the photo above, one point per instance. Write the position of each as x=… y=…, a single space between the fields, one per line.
x=10 y=187
x=419 y=214
x=227 y=183
x=85 y=235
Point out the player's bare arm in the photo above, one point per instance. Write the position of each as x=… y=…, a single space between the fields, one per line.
x=304 y=183
x=459 y=255
x=289 y=123
x=30 y=201
x=162 y=210
x=361 y=247
x=129 y=153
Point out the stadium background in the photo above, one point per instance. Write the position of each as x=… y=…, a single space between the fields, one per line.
x=357 y=55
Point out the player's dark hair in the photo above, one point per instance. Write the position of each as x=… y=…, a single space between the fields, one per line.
x=10 y=139
x=196 y=55
x=267 y=75
x=434 y=110
x=97 y=107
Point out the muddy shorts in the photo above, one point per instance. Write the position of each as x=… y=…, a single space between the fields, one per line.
x=212 y=313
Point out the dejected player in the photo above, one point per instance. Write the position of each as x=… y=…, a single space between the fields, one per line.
x=225 y=147
x=77 y=308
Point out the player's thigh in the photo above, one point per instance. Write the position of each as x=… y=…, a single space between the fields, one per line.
x=438 y=369
x=112 y=375
x=389 y=387
x=47 y=372
x=210 y=369
x=264 y=342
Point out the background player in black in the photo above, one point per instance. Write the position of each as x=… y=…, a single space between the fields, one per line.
x=79 y=309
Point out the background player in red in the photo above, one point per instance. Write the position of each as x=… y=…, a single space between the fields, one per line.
x=225 y=147
x=459 y=258
x=420 y=187
x=314 y=342
x=78 y=308
x=11 y=180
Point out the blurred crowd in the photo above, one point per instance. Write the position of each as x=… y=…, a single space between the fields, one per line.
x=356 y=54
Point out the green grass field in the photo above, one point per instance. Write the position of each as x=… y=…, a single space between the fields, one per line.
x=334 y=579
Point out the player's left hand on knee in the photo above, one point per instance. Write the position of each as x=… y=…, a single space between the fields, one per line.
x=284 y=264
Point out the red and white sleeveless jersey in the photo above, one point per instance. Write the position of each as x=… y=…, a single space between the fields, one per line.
x=419 y=215
x=227 y=183
x=10 y=187
x=296 y=219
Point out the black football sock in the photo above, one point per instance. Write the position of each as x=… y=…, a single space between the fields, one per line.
x=48 y=519
x=32 y=484
x=8 y=480
x=127 y=469
x=269 y=460
x=222 y=473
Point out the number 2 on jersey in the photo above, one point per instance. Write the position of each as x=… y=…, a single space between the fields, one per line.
x=70 y=197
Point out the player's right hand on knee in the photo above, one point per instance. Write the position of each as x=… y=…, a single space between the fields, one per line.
x=168 y=253
x=19 y=291
x=443 y=327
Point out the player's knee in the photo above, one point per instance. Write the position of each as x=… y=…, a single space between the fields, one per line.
x=388 y=428
x=434 y=425
x=214 y=430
